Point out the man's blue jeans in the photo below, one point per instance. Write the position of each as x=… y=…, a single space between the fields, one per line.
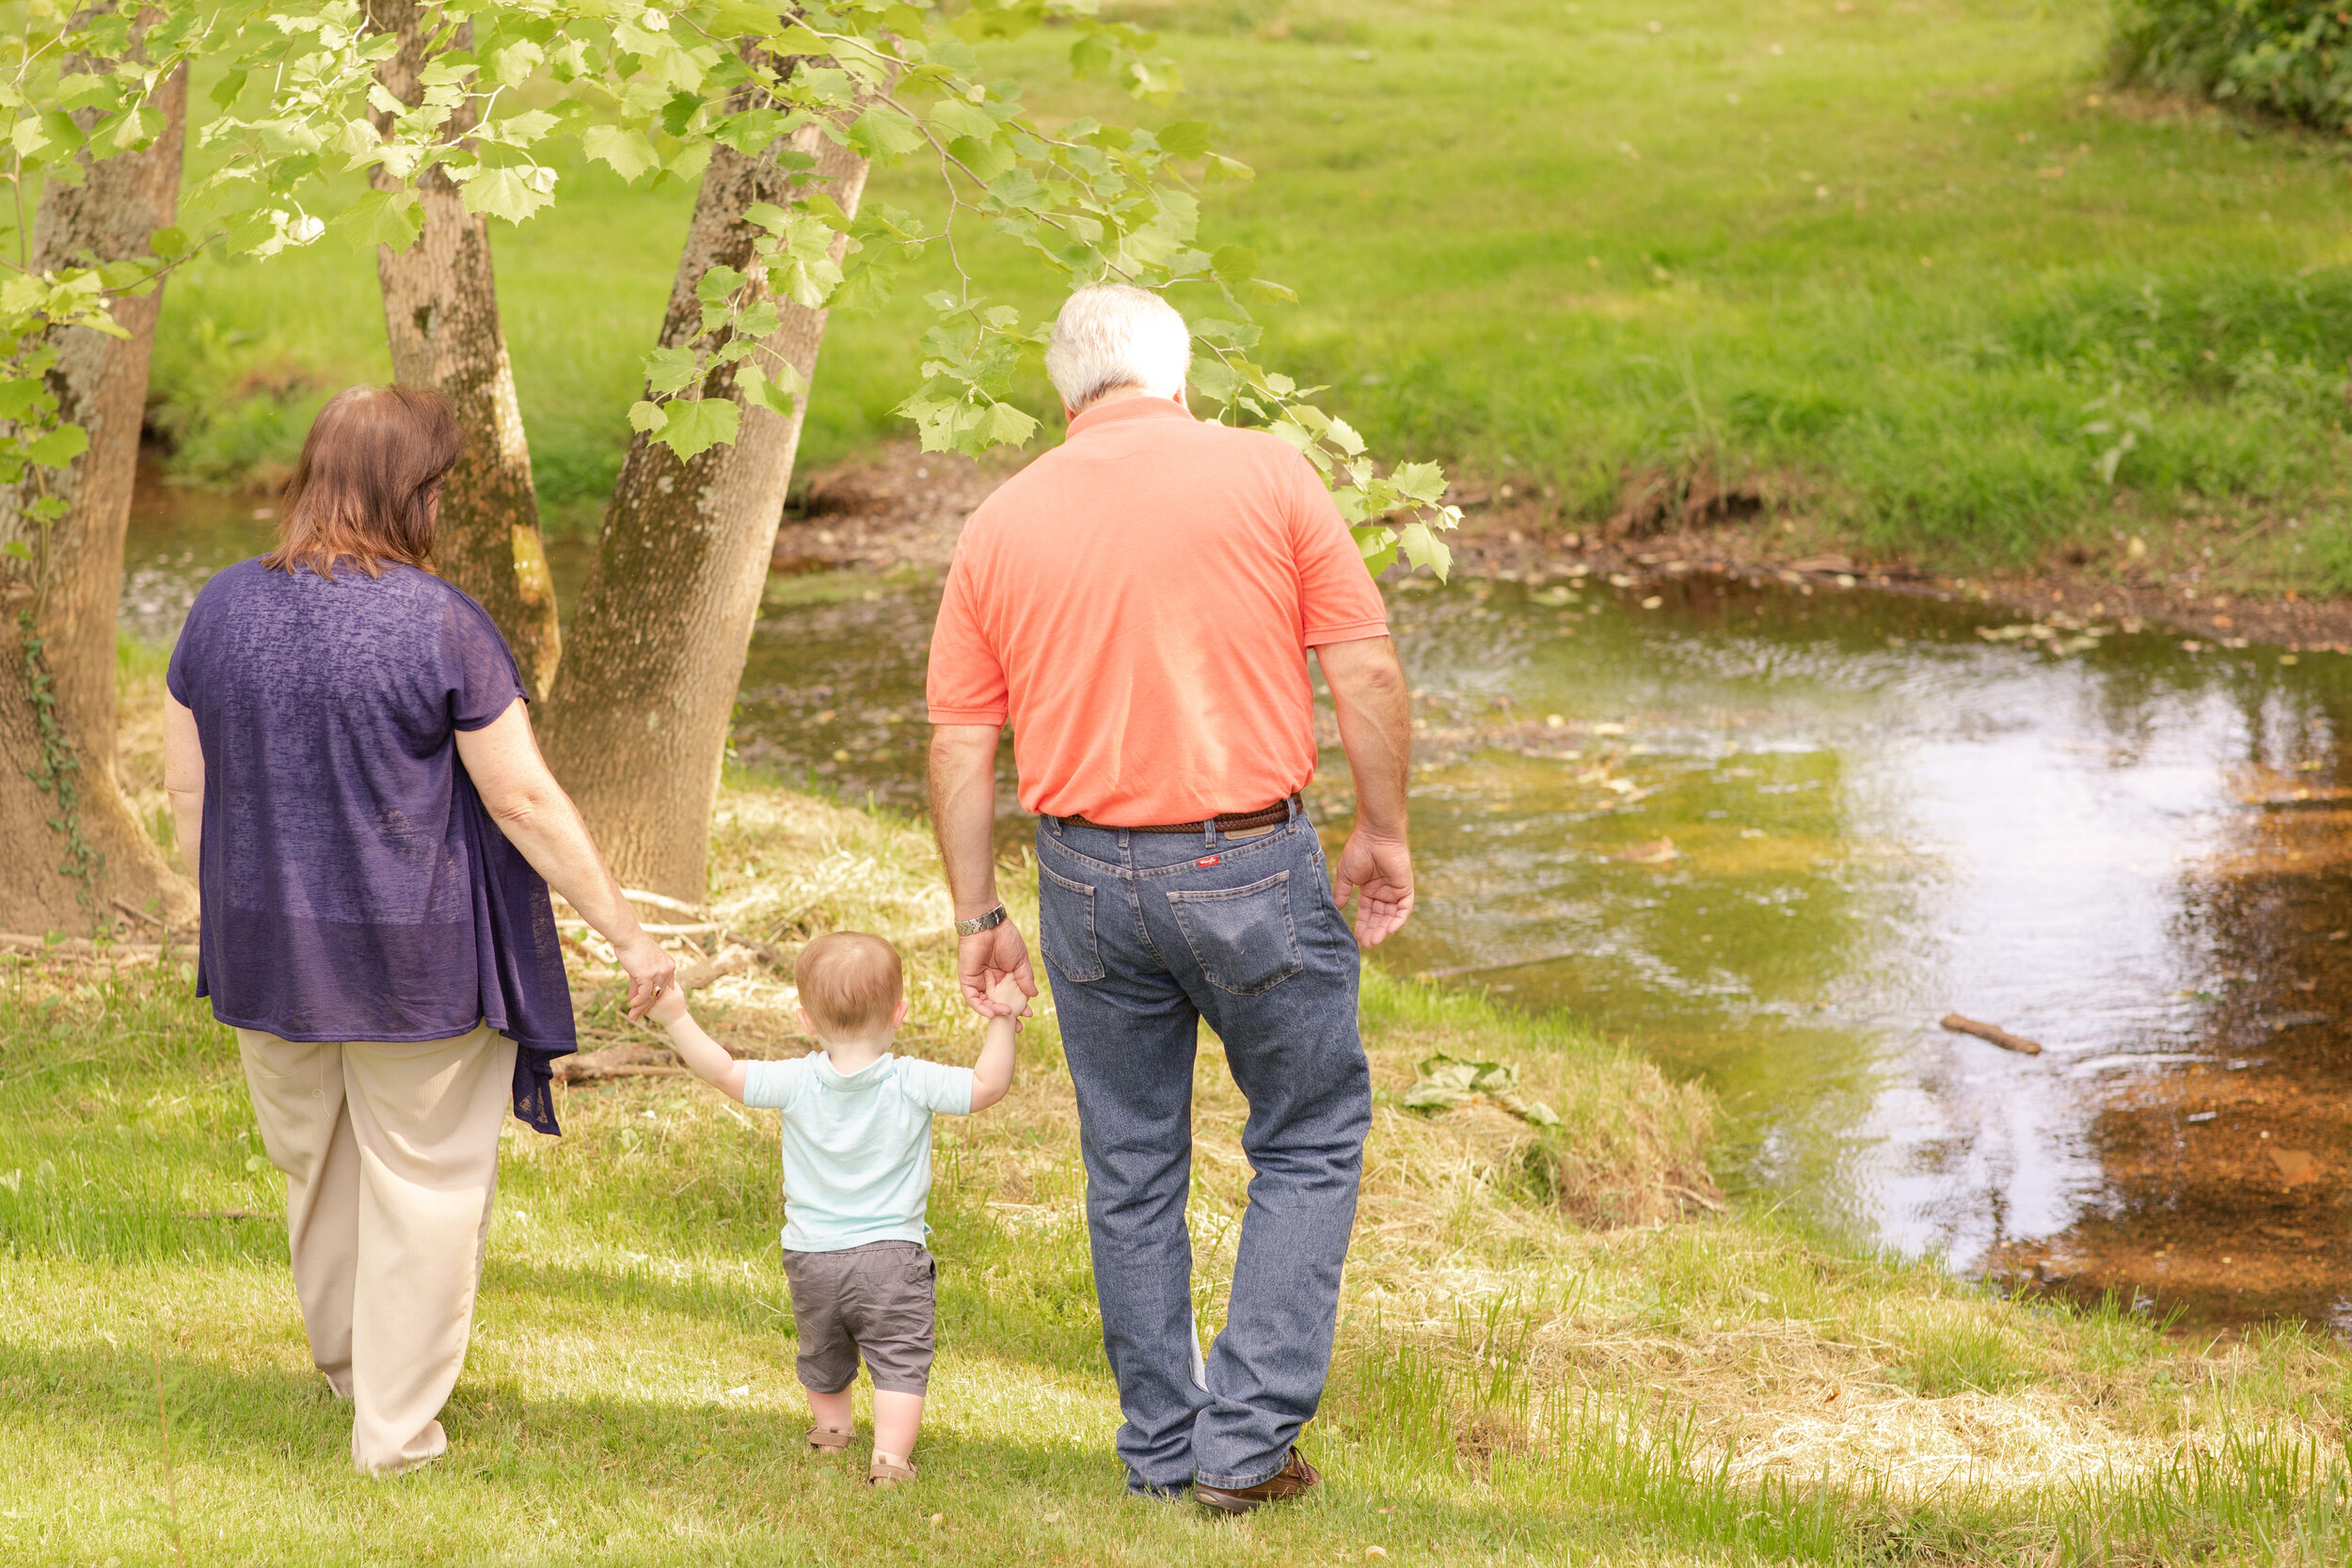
x=1148 y=934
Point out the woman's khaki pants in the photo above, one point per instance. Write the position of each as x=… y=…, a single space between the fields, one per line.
x=390 y=1154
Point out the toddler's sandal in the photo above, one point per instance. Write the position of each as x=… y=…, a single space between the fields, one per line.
x=889 y=1471
x=828 y=1439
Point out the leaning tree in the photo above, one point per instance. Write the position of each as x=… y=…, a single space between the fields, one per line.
x=456 y=112
x=100 y=100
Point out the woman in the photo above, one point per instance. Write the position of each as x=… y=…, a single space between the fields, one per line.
x=351 y=766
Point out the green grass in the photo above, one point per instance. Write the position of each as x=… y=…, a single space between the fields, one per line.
x=1511 y=1384
x=1828 y=248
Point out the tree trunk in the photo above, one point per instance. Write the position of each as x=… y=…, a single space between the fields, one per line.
x=638 y=725
x=441 y=313
x=69 y=844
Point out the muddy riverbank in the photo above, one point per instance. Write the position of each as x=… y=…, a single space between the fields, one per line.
x=899 y=509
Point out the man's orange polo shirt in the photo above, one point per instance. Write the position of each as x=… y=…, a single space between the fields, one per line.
x=1138 y=602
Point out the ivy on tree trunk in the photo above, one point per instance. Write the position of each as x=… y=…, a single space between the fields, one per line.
x=69 y=843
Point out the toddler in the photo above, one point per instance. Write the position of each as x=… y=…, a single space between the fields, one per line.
x=858 y=1170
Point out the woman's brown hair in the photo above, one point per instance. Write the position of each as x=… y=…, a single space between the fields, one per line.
x=364 y=491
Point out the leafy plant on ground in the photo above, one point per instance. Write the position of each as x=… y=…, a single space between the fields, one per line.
x=2288 y=57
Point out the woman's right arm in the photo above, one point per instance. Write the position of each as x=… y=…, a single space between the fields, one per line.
x=539 y=819
x=184 y=778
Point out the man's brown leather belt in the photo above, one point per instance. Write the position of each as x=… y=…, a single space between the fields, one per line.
x=1230 y=822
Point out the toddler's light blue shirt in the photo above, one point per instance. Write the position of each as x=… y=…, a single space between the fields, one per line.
x=857 y=1146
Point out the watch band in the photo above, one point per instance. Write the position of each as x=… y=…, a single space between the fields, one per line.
x=988 y=922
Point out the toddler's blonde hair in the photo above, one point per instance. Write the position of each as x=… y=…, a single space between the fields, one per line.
x=849 y=983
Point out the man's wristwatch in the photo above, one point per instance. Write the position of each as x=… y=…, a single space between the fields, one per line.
x=988 y=922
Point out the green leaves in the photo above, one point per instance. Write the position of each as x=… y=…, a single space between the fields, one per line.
x=1444 y=1082
x=522 y=130
x=671 y=370
x=511 y=194
x=959 y=117
x=391 y=218
x=1400 y=514
x=58 y=445
x=679 y=112
x=970 y=360
x=999 y=19
x=1421 y=547
x=512 y=64
x=1212 y=379
x=795 y=252
x=717 y=290
x=777 y=393
x=629 y=154
x=747 y=20
x=1005 y=425
x=24 y=396
x=1187 y=139
x=752 y=131
x=883 y=133
x=693 y=427
x=688 y=429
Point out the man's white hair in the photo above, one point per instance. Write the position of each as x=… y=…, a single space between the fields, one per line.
x=1114 y=335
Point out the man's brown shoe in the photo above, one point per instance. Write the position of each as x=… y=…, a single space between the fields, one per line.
x=1295 y=1478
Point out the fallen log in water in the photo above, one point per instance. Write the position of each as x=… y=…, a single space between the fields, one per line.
x=1994 y=1033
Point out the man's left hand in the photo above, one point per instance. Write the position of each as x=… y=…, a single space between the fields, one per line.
x=991 y=956
x=1378 y=873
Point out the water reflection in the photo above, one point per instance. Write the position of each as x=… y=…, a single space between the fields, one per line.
x=1878 y=815
x=1772 y=837
x=177 y=539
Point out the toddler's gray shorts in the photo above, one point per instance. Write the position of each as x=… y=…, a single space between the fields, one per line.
x=874 y=1300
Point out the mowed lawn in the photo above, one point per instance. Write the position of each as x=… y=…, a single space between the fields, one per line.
x=1908 y=262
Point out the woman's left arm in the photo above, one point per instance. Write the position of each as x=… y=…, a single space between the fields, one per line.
x=184 y=778
x=539 y=819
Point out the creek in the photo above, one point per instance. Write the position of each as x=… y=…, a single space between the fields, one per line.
x=1770 y=836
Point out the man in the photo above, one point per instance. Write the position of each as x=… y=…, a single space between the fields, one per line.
x=1139 y=604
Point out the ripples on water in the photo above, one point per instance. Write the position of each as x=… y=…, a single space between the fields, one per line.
x=2132 y=853
x=1877 y=817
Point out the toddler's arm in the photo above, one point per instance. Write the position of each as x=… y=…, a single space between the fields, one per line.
x=992 y=1075
x=705 y=1057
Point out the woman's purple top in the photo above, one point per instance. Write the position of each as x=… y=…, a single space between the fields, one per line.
x=354 y=887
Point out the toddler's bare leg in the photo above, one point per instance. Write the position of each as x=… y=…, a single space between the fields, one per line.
x=831 y=1409
x=896 y=1419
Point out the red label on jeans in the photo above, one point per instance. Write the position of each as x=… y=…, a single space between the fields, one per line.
x=1208 y=860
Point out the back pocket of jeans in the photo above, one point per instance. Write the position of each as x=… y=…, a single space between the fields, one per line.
x=1243 y=938
x=1065 y=920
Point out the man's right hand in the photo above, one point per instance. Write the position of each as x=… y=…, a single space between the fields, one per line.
x=992 y=955
x=1378 y=873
